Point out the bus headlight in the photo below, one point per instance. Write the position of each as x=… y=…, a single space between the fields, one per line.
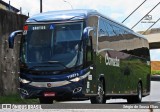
x=75 y=79
x=23 y=80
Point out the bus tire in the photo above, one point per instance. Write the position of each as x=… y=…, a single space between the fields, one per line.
x=138 y=97
x=44 y=100
x=100 y=98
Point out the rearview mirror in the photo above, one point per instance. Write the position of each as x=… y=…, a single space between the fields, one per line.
x=12 y=36
x=86 y=31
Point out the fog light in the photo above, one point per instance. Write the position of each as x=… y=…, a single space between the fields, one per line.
x=23 y=80
x=23 y=91
x=76 y=90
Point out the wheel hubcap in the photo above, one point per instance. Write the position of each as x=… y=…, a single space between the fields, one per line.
x=100 y=93
x=140 y=92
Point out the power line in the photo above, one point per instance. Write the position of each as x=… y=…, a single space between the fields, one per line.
x=145 y=15
x=151 y=26
x=68 y=3
x=134 y=11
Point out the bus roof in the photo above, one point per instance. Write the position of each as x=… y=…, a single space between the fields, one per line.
x=76 y=14
x=62 y=15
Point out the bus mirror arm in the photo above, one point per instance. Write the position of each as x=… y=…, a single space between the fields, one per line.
x=86 y=31
x=12 y=36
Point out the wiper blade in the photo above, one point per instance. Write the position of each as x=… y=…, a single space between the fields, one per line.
x=57 y=62
x=49 y=62
x=39 y=66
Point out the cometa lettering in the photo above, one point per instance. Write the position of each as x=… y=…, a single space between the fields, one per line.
x=112 y=61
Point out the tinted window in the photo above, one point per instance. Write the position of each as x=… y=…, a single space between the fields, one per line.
x=59 y=43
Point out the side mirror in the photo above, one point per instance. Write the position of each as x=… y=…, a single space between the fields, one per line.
x=86 y=31
x=12 y=36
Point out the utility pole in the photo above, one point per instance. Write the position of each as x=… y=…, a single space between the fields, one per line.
x=9 y=5
x=40 y=6
x=20 y=10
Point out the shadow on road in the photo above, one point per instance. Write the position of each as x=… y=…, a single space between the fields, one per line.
x=143 y=102
x=155 y=78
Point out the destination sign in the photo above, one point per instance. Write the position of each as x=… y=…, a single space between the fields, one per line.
x=39 y=27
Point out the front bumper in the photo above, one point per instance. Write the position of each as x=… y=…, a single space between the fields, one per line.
x=66 y=92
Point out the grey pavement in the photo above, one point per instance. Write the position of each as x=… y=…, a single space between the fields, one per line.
x=153 y=98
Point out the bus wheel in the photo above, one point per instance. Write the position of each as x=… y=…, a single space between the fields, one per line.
x=138 y=98
x=100 y=98
x=48 y=100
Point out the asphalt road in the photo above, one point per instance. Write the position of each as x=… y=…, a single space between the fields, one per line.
x=153 y=97
x=150 y=103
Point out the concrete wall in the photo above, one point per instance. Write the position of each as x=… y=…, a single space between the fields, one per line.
x=153 y=37
x=9 y=22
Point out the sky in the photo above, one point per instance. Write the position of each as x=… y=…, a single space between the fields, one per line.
x=115 y=9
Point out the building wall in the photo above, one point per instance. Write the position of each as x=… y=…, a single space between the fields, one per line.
x=6 y=8
x=9 y=22
x=3 y=7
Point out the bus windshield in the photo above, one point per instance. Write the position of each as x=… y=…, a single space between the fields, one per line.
x=52 y=46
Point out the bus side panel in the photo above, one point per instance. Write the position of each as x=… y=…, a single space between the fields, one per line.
x=140 y=61
x=123 y=59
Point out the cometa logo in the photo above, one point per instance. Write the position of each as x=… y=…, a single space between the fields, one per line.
x=112 y=61
x=49 y=85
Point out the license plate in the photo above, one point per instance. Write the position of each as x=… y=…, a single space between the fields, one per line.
x=46 y=94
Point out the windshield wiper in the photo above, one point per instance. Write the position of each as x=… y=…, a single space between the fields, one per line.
x=57 y=62
x=49 y=62
x=39 y=66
